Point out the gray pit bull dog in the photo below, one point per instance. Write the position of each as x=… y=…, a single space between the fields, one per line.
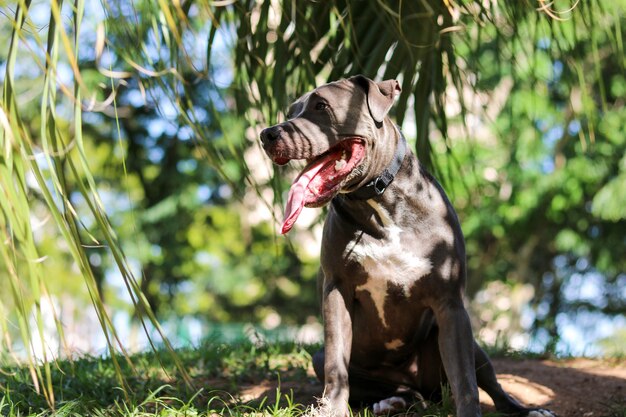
x=393 y=269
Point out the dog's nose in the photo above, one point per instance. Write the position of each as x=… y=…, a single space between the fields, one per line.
x=270 y=134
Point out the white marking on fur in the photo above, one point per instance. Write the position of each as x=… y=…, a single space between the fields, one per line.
x=390 y=404
x=446 y=268
x=394 y=344
x=541 y=413
x=385 y=218
x=388 y=261
x=377 y=288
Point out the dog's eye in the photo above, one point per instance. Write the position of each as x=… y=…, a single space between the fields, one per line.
x=321 y=106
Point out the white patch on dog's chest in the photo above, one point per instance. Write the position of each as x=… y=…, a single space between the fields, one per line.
x=388 y=261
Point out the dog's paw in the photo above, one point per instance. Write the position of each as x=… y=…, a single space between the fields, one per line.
x=540 y=412
x=390 y=404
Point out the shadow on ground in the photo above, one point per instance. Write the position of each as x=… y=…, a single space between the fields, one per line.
x=575 y=387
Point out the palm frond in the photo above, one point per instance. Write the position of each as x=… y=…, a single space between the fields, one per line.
x=56 y=160
x=279 y=50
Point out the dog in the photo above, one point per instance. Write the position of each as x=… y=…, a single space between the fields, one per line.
x=393 y=270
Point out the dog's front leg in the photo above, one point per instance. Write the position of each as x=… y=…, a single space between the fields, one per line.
x=337 y=345
x=456 y=345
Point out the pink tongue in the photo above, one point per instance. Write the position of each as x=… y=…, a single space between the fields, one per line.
x=297 y=195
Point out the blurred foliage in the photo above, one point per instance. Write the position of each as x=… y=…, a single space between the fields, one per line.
x=615 y=346
x=535 y=204
x=157 y=172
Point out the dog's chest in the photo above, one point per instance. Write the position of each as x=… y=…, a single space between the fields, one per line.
x=392 y=264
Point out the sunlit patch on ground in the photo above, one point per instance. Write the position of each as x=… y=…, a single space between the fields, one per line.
x=568 y=387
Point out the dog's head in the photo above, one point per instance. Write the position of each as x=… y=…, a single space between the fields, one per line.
x=336 y=128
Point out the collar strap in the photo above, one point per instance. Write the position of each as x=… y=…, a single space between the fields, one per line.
x=378 y=185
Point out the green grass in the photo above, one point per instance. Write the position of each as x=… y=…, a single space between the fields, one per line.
x=237 y=379
x=616 y=410
x=89 y=386
x=230 y=380
x=501 y=349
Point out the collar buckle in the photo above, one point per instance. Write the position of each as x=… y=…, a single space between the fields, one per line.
x=379 y=186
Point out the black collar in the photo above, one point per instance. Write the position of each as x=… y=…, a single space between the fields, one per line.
x=378 y=185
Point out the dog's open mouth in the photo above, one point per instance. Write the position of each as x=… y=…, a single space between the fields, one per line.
x=322 y=178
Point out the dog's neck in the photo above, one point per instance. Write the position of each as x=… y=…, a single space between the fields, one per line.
x=404 y=191
x=413 y=194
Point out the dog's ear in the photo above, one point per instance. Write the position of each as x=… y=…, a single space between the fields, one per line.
x=380 y=96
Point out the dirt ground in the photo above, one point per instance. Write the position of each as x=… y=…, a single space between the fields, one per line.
x=575 y=387
x=571 y=388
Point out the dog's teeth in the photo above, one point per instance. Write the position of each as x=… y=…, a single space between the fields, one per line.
x=340 y=164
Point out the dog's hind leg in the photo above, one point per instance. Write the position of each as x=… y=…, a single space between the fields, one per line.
x=372 y=388
x=486 y=378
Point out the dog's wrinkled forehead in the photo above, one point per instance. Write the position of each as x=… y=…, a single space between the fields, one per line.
x=297 y=106
x=335 y=95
